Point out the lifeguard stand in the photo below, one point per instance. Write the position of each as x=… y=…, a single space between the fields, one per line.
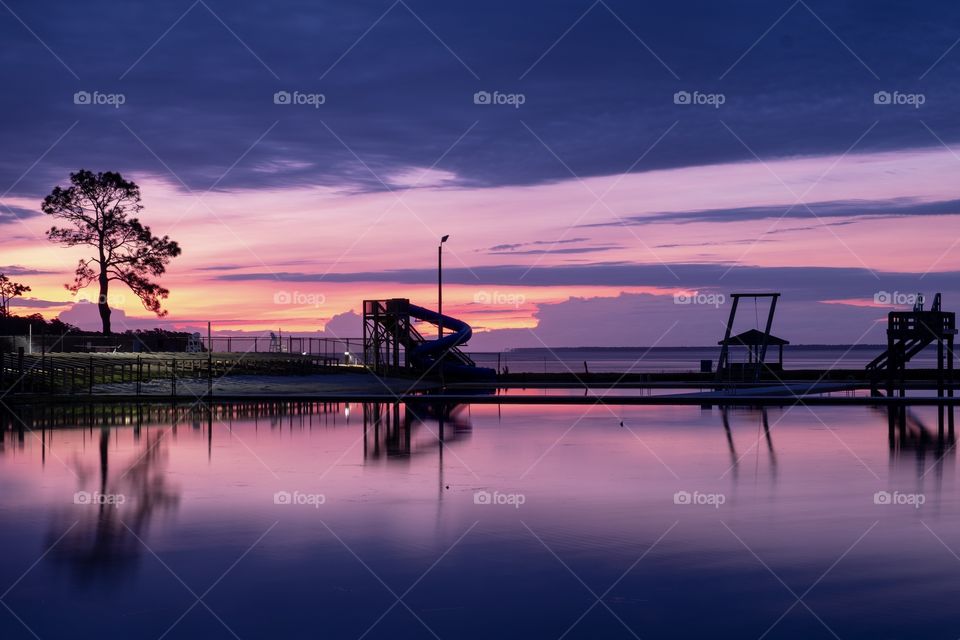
x=758 y=349
x=909 y=333
x=386 y=333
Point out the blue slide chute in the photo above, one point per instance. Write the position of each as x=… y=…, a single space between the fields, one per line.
x=426 y=354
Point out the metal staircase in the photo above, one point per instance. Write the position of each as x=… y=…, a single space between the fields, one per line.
x=392 y=343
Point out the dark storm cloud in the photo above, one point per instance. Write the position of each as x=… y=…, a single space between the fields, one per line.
x=200 y=98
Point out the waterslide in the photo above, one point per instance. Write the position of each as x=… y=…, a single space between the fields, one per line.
x=426 y=354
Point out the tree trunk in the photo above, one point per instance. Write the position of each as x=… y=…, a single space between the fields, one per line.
x=104 y=450
x=103 y=306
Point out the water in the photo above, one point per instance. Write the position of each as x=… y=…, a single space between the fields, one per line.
x=388 y=535
x=680 y=359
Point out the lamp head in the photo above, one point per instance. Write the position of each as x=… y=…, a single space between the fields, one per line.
x=444 y=238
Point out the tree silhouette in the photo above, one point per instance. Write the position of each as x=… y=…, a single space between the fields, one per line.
x=8 y=291
x=97 y=208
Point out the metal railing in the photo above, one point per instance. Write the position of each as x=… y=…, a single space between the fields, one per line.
x=350 y=350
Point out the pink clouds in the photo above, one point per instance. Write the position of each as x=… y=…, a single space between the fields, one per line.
x=326 y=231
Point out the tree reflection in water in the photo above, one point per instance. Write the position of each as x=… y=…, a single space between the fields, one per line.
x=105 y=542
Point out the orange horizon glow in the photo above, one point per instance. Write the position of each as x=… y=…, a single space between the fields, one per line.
x=319 y=231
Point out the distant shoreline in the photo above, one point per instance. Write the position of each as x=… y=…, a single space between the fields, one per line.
x=791 y=347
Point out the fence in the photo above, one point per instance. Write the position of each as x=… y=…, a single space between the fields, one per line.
x=157 y=374
x=349 y=349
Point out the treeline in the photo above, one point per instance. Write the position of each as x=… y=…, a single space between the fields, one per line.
x=12 y=325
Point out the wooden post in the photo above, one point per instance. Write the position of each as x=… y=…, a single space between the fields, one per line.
x=209 y=359
x=891 y=358
x=950 y=365
x=940 y=371
x=722 y=362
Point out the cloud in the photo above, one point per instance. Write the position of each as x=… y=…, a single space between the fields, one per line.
x=401 y=95
x=86 y=316
x=801 y=283
x=556 y=250
x=37 y=303
x=517 y=245
x=13 y=213
x=870 y=209
x=344 y=325
x=18 y=270
x=642 y=320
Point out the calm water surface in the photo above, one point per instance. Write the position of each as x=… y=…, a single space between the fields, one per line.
x=679 y=359
x=341 y=521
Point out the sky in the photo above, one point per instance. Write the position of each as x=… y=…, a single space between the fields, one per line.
x=608 y=171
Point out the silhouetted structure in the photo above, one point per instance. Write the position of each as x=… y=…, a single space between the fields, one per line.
x=909 y=333
x=758 y=351
x=389 y=429
x=736 y=458
x=754 y=340
x=392 y=344
x=915 y=444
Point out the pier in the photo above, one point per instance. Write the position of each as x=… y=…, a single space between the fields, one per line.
x=397 y=360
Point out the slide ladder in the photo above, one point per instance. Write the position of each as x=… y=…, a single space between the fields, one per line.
x=388 y=329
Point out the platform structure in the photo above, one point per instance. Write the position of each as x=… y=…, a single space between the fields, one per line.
x=386 y=334
x=760 y=341
x=909 y=333
x=392 y=343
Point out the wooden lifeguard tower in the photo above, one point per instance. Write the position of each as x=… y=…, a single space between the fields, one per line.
x=754 y=341
x=758 y=351
x=909 y=333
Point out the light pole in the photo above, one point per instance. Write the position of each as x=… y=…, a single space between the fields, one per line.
x=440 y=283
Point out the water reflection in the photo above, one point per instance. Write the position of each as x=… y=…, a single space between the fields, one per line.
x=760 y=415
x=396 y=431
x=100 y=545
x=599 y=493
x=915 y=444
